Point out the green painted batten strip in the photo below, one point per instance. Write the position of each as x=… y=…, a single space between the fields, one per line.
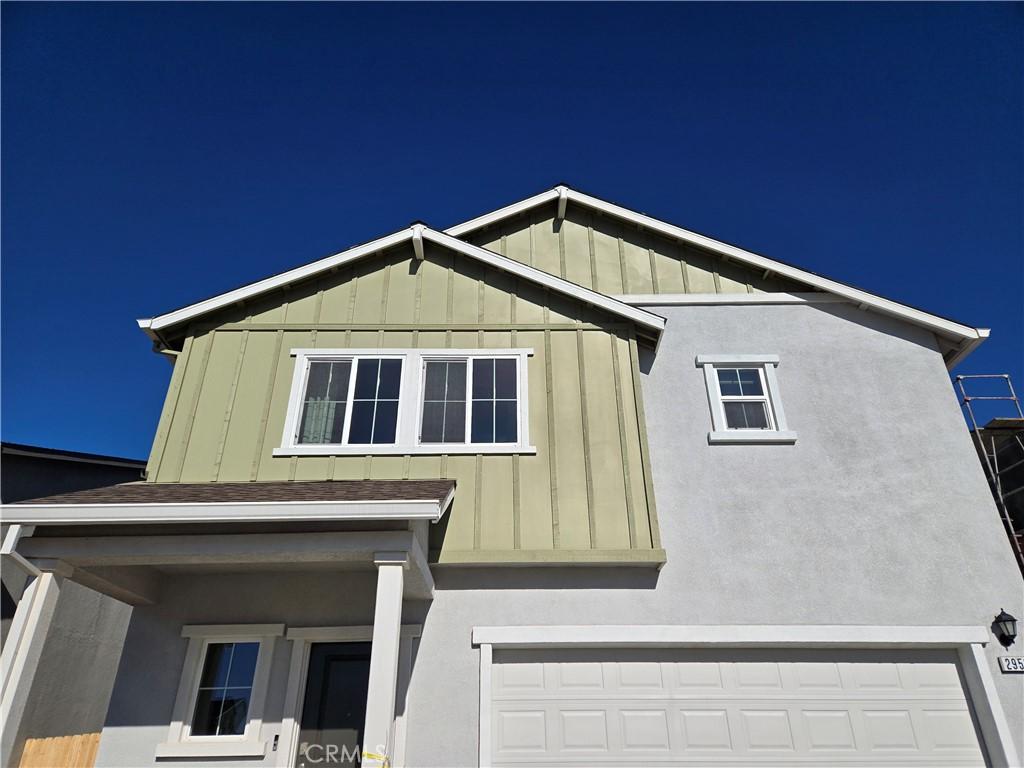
x=384 y=293
x=418 y=292
x=654 y=270
x=478 y=502
x=169 y=410
x=593 y=253
x=653 y=558
x=622 y=265
x=352 y=297
x=588 y=470
x=561 y=249
x=261 y=435
x=623 y=444
x=229 y=406
x=195 y=405
x=450 y=309
x=517 y=539
x=645 y=457
x=686 y=275
x=552 y=453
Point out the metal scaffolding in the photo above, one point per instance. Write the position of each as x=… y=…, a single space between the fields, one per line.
x=1000 y=445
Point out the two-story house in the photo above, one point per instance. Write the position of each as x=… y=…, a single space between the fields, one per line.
x=560 y=485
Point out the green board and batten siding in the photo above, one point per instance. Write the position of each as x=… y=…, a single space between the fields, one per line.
x=616 y=258
x=585 y=496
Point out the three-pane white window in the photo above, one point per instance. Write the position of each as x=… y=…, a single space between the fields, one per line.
x=743 y=393
x=407 y=401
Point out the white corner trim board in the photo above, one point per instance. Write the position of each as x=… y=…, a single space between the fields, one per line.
x=965 y=334
x=250 y=511
x=153 y=325
x=966 y=640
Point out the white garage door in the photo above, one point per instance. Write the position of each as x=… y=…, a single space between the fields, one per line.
x=739 y=707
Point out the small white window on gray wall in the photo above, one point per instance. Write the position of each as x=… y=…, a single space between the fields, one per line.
x=743 y=393
x=218 y=711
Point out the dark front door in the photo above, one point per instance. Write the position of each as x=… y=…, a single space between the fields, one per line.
x=334 y=709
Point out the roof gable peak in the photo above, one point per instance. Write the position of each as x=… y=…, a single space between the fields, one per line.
x=417 y=234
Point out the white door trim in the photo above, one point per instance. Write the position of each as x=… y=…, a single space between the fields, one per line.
x=967 y=640
x=304 y=637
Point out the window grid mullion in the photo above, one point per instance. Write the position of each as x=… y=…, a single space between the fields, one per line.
x=349 y=399
x=467 y=433
x=444 y=405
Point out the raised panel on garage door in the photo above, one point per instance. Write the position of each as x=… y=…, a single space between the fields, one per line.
x=738 y=707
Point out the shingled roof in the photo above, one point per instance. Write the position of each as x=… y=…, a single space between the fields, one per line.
x=241 y=493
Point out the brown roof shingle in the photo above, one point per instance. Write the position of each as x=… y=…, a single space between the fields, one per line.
x=199 y=493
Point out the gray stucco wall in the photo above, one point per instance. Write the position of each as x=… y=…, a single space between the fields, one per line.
x=879 y=515
x=72 y=688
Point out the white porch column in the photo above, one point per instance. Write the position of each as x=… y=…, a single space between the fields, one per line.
x=23 y=650
x=378 y=747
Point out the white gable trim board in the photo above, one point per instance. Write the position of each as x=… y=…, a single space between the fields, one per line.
x=966 y=336
x=741 y=695
x=644 y=319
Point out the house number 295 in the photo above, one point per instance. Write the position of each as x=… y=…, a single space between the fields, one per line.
x=1011 y=663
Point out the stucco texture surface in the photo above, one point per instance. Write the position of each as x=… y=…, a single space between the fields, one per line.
x=878 y=515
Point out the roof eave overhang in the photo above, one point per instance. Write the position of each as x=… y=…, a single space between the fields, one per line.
x=964 y=337
x=431 y=510
x=647 y=323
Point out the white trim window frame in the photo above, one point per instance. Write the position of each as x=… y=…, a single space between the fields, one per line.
x=410 y=403
x=776 y=432
x=181 y=743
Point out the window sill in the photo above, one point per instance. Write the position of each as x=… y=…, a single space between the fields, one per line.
x=751 y=437
x=200 y=749
x=402 y=450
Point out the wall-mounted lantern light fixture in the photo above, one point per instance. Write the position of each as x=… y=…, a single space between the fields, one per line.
x=1005 y=628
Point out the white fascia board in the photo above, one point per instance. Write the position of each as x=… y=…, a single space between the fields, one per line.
x=934 y=323
x=725 y=636
x=508 y=211
x=224 y=512
x=546 y=279
x=702 y=299
x=271 y=283
x=646 y=319
x=887 y=306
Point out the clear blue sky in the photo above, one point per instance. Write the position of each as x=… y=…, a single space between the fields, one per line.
x=156 y=154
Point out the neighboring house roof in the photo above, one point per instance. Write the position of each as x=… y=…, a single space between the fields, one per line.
x=964 y=338
x=418 y=234
x=38 y=452
x=241 y=493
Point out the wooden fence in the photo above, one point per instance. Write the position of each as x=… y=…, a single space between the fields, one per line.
x=78 y=751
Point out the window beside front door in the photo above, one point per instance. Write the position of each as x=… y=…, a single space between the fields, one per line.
x=218 y=711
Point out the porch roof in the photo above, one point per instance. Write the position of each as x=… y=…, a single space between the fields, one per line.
x=254 y=501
